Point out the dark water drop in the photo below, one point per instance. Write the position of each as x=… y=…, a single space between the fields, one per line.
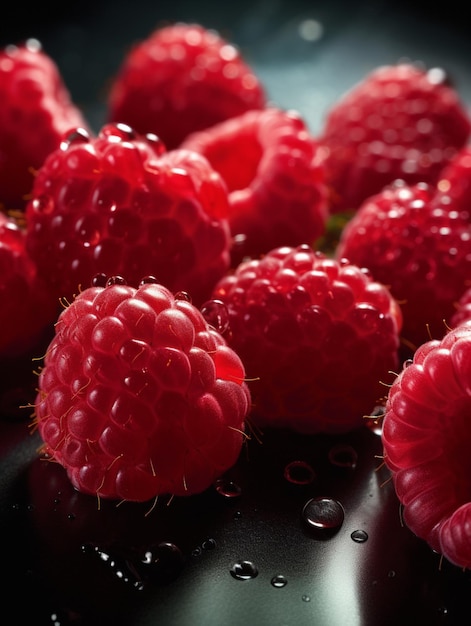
x=183 y=295
x=227 y=488
x=375 y=420
x=359 y=536
x=343 y=455
x=279 y=581
x=244 y=570
x=299 y=473
x=77 y=136
x=209 y=544
x=216 y=314
x=162 y=563
x=324 y=514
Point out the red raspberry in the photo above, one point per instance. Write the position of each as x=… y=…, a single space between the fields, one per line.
x=271 y=165
x=120 y=204
x=35 y=112
x=426 y=443
x=182 y=78
x=454 y=184
x=139 y=396
x=26 y=308
x=318 y=336
x=420 y=249
x=463 y=308
x=400 y=121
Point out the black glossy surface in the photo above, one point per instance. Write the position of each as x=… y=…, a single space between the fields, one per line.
x=52 y=537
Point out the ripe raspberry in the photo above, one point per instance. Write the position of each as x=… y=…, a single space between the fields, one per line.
x=420 y=249
x=463 y=308
x=318 y=336
x=426 y=437
x=400 y=121
x=26 y=309
x=454 y=183
x=35 y=112
x=182 y=78
x=119 y=204
x=139 y=396
x=276 y=181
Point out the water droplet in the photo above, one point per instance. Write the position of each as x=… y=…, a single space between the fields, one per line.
x=43 y=204
x=148 y=280
x=99 y=280
x=183 y=295
x=244 y=570
x=360 y=536
x=216 y=314
x=227 y=488
x=197 y=551
x=209 y=544
x=279 y=581
x=343 y=455
x=324 y=514
x=115 y=280
x=163 y=562
x=375 y=420
x=305 y=598
x=299 y=473
x=77 y=136
x=156 y=143
x=391 y=573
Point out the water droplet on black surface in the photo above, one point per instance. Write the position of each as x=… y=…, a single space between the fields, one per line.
x=209 y=544
x=343 y=455
x=244 y=570
x=162 y=563
x=324 y=514
x=299 y=473
x=279 y=581
x=227 y=488
x=359 y=536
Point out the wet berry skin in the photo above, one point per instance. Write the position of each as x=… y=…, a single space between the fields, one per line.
x=180 y=79
x=120 y=204
x=275 y=176
x=139 y=396
x=317 y=337
x=417 y=245
x=426 y=438
x=400 y=121
x=36 y=110
x=26 y=310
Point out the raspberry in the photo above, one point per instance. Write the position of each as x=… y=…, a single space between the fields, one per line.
x=26 y=308
x=317 y=336
x=181 y=79
x=463 y=308
x=417 y=247
x=454 y=184
x=274 y=175
x=35 y=112
x=120 y=204
x=139 y=395
x=400 y=121
x=426 y=443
